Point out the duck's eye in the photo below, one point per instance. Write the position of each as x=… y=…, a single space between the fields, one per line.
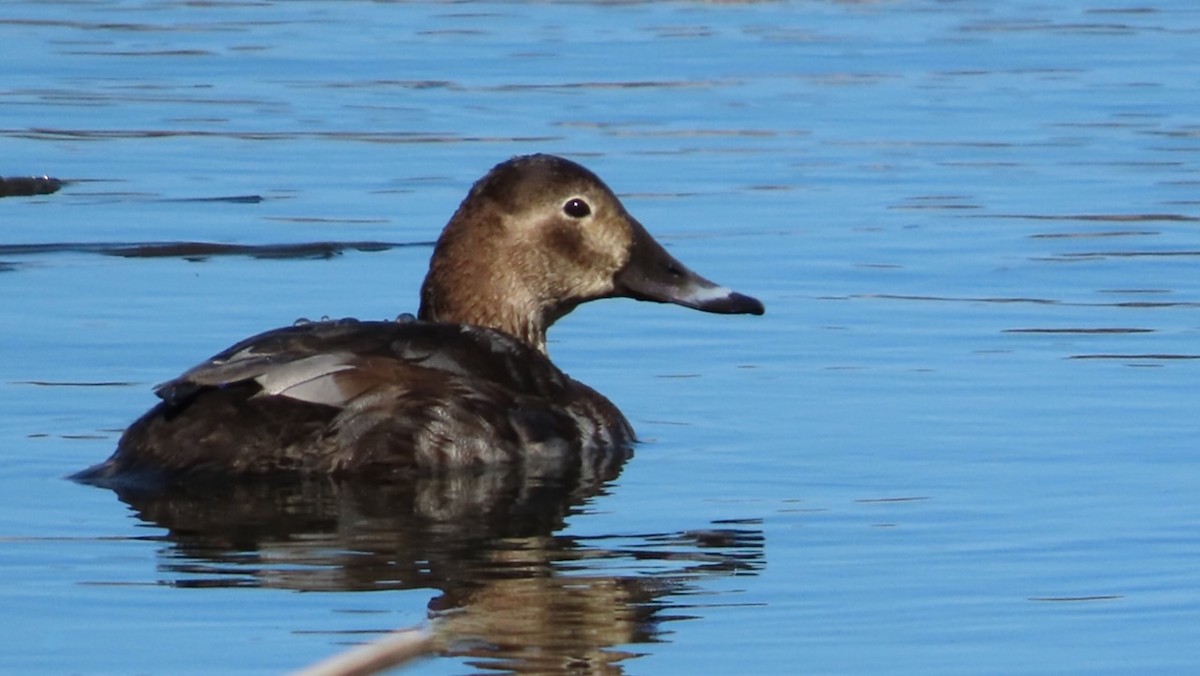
x=576 y=208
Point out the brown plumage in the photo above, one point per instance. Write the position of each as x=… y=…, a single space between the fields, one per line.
x=467 y=384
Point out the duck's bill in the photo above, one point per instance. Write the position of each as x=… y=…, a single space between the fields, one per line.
x=653 y=274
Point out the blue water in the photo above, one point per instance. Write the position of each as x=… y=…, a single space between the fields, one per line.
x=962 y=440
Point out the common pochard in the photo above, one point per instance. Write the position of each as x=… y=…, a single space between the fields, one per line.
x=467 y=383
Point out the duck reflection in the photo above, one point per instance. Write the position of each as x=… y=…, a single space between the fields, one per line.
x=513 y=593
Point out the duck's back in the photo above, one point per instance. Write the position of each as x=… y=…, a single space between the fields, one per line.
x=370 y=399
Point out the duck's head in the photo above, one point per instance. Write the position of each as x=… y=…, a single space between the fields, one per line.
x=539 y=235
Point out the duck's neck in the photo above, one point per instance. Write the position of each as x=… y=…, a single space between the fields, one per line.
x=492 y=307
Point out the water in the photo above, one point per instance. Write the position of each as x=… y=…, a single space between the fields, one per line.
x=962 y=440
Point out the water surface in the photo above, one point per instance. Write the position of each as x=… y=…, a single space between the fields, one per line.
x=962 y=440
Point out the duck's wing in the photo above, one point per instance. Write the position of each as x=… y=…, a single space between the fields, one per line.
x=333 y=362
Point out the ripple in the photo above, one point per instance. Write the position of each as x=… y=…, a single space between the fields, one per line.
x=203 y=250
x=1079 y=331
x=1104 y=218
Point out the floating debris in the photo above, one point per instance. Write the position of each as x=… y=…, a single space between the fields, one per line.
x=27 y=186
x=388 y=652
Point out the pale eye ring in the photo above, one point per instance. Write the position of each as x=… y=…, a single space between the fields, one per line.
x=576 y=208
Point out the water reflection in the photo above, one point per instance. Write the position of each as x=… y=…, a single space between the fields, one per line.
x=512 y=593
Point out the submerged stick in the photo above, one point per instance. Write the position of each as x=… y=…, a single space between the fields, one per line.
x=393 y=650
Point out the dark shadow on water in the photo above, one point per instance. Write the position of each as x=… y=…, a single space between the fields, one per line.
x=511 y=592
x=198 y=251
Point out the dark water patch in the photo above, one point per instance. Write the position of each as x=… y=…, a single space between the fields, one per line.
x=91 y=583
x=656 y=195
x=935 y=203
x=663 y=421
x=1127 y=164
x=626 y=84
x=150 y=53
x=1176 y=133
x=320 y=219
x=1144 y=357
x=1102 y=125
x=231 y=199
x=131 y=27
x=981 y=164
x=1135 y=291
x=693 y=151
x=910 y=498
x=1076 y=599
x=847 y=79
x=1005 y=300
x=688 y=32
x=1079 y=330
x=126 y=95
x=154 y=197
x=1168 y=149
x=51 y=383
x=203 y=250
x=1146 y=304
x=85 y=25
x=455 y=32
x=1103 y=218
x=1051 y=72
x=1082 y=235
x=107 y=196
x=966 y=143
x=938 y=198
x=28 y=186
x=966 y=73
x=706 y=133
x=1122 y=10
x=952 y=299
x=754 y=521
x=1097 y=255
x=382 y=83
x=40 y=133
x=1103 y=29
x=341 y=632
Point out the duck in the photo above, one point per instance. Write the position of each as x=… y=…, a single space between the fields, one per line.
x=466 y=384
